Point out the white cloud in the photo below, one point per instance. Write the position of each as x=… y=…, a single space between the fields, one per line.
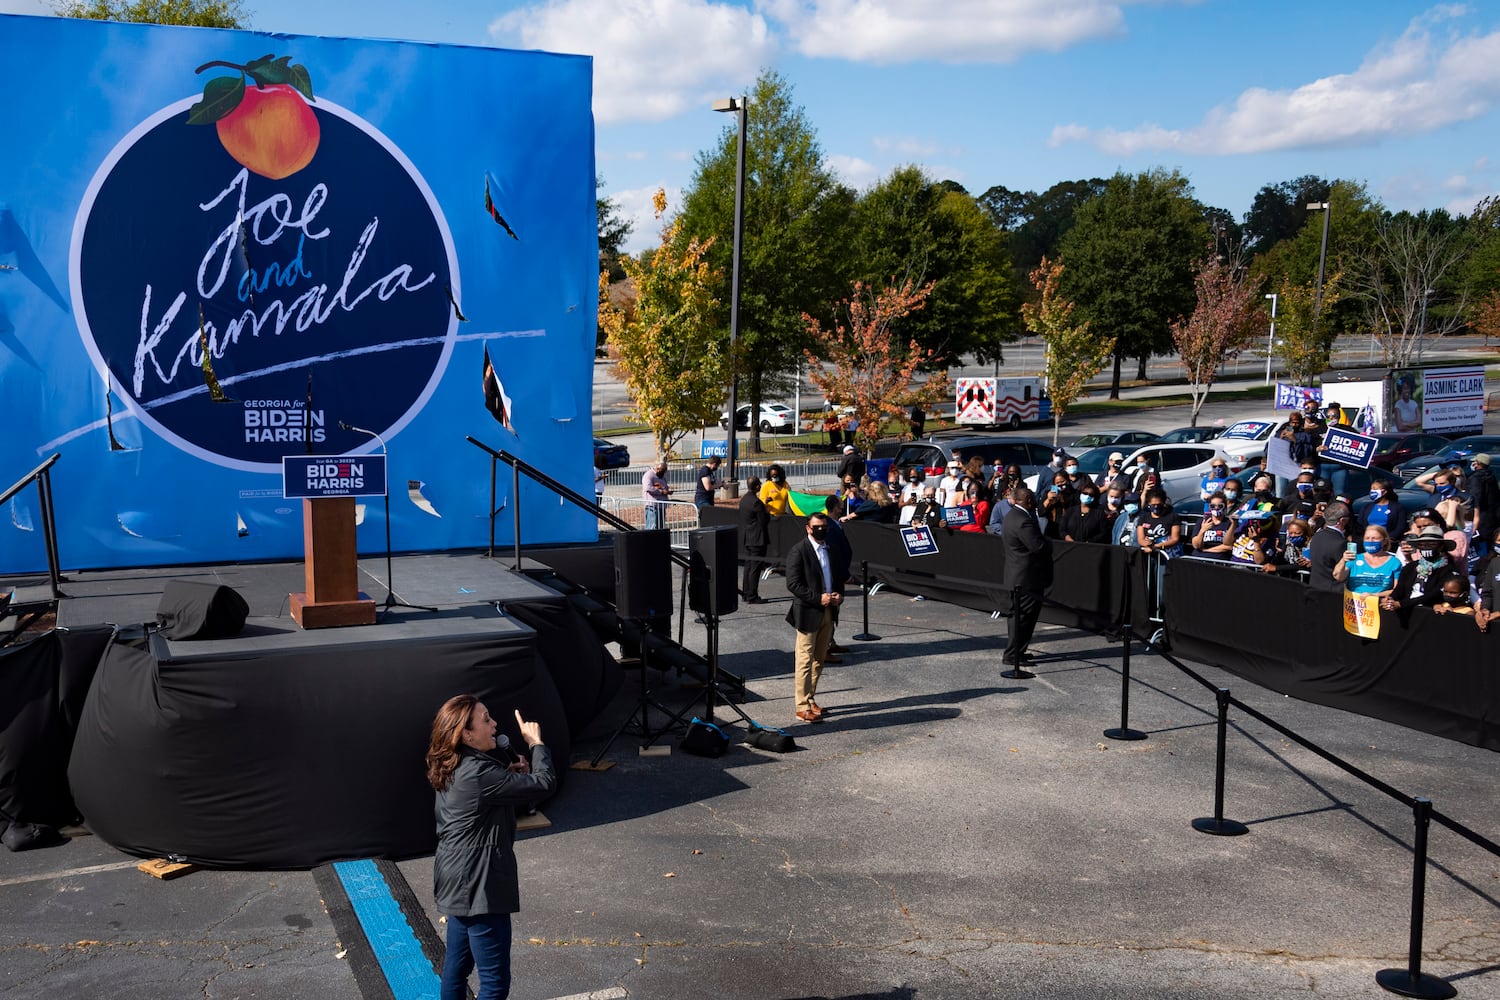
x=1414 y=85
x=636 y=205
x=857 y=173
x=653 y=59
x=980 y=31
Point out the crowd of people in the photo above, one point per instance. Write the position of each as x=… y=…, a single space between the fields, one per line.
x=1307 y=531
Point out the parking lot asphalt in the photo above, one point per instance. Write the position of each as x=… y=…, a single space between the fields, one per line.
x=947 y=833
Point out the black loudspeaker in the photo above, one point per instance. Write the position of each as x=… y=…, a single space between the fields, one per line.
x=713 y=559
x=194 y=609
x=643 y=573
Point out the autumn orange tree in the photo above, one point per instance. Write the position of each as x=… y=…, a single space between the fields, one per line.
x=1074 y=353
x=1223 y=322
x=1484 y=316
x=668 y=350
x=860 y=364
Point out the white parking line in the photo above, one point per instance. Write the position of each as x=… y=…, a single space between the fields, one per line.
x=613 y=993
x=48 y=876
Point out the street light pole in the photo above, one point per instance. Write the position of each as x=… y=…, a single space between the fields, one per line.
x=1327 y=209
x=737 y=105
x=1271 y=337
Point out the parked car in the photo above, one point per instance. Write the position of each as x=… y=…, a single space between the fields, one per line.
x=1190 y=435
x=1244 y=442
x=933 y=454
x=608 y=455
x=1181 y=466
x=1461 y=450
x=1125 y=439
x=772 y=417
x=1397 y=446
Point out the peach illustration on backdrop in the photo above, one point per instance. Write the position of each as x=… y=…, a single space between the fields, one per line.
x=263 y=115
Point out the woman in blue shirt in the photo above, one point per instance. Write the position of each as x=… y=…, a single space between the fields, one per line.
x=1372 y=571
x=1386 y=511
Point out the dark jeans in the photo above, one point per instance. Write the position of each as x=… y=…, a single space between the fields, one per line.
x=750 y=581
x=484 y=941
x=1026 y=608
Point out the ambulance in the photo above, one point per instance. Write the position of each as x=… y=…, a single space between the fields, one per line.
x=997 y=402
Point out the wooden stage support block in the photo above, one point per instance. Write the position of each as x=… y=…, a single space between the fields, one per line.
x=331 y=567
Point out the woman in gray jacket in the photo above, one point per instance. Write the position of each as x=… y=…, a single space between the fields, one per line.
x=479 y=783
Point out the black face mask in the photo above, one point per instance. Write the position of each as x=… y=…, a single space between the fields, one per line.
x=819 y=532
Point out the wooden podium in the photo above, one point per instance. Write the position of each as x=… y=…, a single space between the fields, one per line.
x=331 y=567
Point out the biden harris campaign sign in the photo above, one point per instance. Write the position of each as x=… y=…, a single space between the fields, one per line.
x=224 y=248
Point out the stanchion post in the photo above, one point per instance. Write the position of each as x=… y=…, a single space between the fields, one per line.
x=1217 y=825
x=1124 y=732
x=1412 y=981
x=864 y=580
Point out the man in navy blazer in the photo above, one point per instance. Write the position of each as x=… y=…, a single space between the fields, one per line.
x=1028 y=572
x=817 y=588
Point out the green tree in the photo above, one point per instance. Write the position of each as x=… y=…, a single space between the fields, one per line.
x=1303 y=339
x=797 y=218
x=667 y=349
x=1294 y=261
x=1075 y=354
x=909 y=228
x=1280 y=210
x=196 y=13
x=613 y=229
x=1130 y=257
x=1035 y=224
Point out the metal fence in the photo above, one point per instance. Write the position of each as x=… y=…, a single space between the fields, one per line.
x=680 y=517
x=802 y=474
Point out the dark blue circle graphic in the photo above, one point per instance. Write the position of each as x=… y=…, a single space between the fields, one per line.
x=333 y=283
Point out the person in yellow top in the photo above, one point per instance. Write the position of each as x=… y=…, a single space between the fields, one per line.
x=774 y=492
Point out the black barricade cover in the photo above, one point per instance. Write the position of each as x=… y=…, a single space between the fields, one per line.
x=45 y=684
x=1435 y=673
x=288 y=759
x=1087 y=591
x=586 y=676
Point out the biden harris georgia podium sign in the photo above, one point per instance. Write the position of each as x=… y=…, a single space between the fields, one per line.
x=221 y=248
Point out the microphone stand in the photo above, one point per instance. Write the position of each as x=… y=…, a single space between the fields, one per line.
x=391 y=600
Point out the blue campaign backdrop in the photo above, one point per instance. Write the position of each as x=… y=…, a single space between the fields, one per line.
x=221 y=246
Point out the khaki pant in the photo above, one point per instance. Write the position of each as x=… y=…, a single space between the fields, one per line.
x=811 y=648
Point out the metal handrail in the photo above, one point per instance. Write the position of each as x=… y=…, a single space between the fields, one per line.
x=42 y=476
x=519 y=467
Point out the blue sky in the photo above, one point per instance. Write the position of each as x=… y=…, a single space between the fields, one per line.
x=1024 y=93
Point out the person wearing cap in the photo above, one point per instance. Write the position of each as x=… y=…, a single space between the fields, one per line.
x=1106 y=479
x=1421 y=582
x=947 y=487
x=1484 y=494
x=851 y=466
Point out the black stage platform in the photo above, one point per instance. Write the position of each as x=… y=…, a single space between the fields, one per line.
x=288 y=748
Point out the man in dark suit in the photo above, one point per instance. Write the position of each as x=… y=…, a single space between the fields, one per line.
x=755 y=524
x=1327 y=547
x=816 y=590
x=1028 y=573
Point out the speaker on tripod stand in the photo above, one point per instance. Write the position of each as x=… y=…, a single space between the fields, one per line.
x=713 y=555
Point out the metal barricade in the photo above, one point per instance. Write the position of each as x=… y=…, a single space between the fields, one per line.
x=678 y=517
